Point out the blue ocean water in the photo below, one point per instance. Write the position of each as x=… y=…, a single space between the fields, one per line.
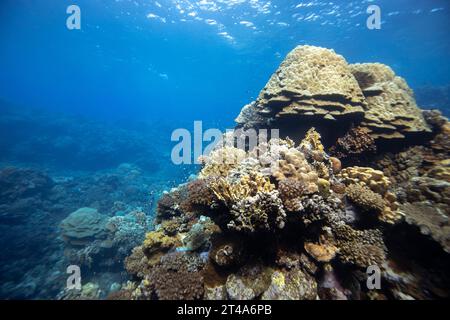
x=93 y=108
x=199 y=59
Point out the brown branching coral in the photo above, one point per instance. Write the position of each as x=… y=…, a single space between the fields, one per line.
x=199 y=194
x=362 y=248
x=169 y=204
x=172 y=226
x=405 y=165
x=137 y=263
x=355 y=143
x=262 y=212
x=177 y=277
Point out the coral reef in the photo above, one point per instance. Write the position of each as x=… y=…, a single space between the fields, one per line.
x=291 y=219
x=364 y=180
x=258 y=207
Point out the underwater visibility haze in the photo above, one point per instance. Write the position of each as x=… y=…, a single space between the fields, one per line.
x=103 y=194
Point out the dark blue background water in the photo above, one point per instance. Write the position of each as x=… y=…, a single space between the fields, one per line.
x=177 y=64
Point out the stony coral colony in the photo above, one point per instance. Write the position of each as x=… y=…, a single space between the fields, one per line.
x=305 y=218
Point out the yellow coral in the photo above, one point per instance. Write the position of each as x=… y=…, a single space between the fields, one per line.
x=377 y=182
x=278 y=279
x=158 y=241
x=321 y=252
x=220 y=161
x=247 y=186
x=312 y=141
x=366 y=176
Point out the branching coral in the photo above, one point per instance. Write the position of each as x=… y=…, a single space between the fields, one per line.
x=169 y=204
x=312 y=142
x=177 y=277
x=220 y=161
x=231 y=192
x=362 y=248
x=137 y=263
x=354 y=143
x=199 y=194
x=318 y=208
x=262 y=212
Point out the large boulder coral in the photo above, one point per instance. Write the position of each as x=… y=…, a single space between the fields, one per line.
x=312 y=84
x=83 y=226
x=392 y=112
x=316 y=87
